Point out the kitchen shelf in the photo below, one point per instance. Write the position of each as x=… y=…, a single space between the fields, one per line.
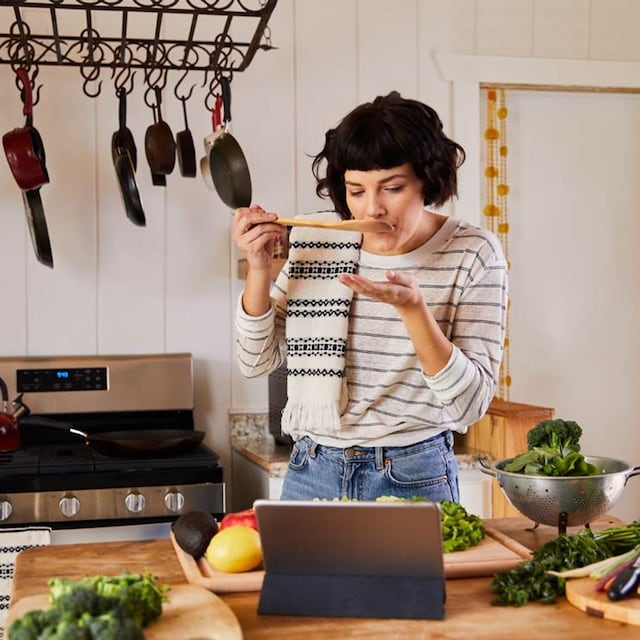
x=114 y=39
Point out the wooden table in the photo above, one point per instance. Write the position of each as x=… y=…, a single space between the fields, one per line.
x=468 y=610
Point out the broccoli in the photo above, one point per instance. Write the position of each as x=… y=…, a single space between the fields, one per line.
x=76 y=599
x=138 y=595
x=553 y=450
x=67 y=628
x=559 y=435
x=114 y=625
x=29 y=626
x=94 y=608
x=52 y=624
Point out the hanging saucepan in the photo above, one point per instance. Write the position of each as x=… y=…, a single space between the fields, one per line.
x=159 y=144
x=216 y=128
x=229 y=169
x=23 y=146
x=185 y=148
x=123 y=152
x=137 y=443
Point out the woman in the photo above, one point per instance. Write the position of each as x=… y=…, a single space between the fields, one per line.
x=393 y=340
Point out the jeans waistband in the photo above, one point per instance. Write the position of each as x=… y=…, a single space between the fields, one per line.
x=361 y=454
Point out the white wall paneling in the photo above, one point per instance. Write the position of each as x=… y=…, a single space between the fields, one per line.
x=572 y=162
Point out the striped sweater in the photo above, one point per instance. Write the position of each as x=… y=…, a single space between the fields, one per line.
x=462 y=272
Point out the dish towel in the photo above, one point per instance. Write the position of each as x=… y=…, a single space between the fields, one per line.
x=12 y=542
x=316 y=326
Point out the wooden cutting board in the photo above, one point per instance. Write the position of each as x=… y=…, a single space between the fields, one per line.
x=495 y=553
x=581 y=593
x=191 y=612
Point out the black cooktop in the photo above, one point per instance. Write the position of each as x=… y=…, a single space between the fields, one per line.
x=66 y=466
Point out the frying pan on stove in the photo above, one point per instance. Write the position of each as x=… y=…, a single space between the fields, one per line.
x=137 y=443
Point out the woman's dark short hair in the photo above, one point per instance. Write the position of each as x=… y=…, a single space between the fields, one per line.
x=386 y=133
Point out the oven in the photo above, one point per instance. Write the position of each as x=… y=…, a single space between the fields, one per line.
x=57 y=479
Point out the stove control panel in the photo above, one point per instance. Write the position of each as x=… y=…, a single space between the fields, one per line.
x=63 y=379
x=122 y=504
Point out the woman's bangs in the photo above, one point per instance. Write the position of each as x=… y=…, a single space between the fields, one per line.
x=369 y=149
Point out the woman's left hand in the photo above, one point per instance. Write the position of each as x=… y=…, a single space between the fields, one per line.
x=400 y=290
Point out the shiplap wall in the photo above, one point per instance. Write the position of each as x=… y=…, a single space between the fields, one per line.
x=171 y=286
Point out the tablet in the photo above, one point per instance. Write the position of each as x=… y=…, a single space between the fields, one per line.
x=318 y=554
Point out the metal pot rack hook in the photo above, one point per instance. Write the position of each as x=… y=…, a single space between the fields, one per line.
x=123 y=80
x=34 y=89
x=215 y=88
x=176 y=90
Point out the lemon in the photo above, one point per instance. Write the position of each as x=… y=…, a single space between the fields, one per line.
x=235 y=549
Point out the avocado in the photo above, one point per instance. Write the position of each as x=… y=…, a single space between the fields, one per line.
x=193 y=531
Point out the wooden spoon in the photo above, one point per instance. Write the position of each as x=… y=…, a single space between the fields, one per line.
x=372 y=226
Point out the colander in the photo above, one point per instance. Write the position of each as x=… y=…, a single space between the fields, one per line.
x=566 y=500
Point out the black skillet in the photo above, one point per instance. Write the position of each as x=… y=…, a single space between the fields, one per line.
x=228 y=165
x=186 y=149
x=123 y=152
x=37 y=224
x=123 y=136
x=137 y=443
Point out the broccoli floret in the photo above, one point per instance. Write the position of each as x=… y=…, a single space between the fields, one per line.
x=28 y=627
x=138 y=595
x=560 y=435
x=77 y=599
x=114 y=625
x=553 y=450
x=67 y=628
x=94 y=608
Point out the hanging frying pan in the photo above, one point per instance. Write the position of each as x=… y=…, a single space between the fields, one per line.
x=37 y=224
x=137 y=443
x=123 y=152
x=159 y=145
x=23 y=146
x=186 y=150
x=229 y=169
x=123 y=136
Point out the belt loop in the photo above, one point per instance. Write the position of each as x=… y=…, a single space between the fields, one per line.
x=379 y=458
x=312 y=448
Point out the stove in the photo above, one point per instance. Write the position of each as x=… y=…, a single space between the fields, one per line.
x=57 y=479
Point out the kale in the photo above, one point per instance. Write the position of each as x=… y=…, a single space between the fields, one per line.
x=530 y=582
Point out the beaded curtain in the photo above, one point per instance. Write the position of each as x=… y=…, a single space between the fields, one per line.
x=495 y=209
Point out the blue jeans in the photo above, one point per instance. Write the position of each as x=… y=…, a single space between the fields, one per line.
x=427 y=469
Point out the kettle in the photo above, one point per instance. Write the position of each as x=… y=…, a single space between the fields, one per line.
x=9 y=431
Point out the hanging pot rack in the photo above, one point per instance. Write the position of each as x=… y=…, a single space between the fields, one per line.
x=119 y=53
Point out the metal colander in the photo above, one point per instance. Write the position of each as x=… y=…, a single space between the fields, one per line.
x=563 y=501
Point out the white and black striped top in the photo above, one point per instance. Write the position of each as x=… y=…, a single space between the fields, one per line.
x=463 y=273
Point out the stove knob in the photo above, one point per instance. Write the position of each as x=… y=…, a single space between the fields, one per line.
x=5 y=509
x=174 y=501
x=134 y=502
x=69 y=506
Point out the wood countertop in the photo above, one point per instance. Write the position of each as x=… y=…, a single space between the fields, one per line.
x=468 y=612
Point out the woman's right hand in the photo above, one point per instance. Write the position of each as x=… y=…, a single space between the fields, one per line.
x=255 y=237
